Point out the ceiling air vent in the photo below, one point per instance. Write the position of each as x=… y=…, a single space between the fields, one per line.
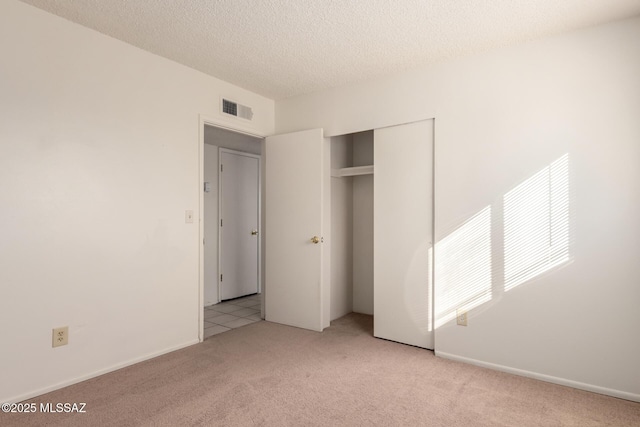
x=237 y=110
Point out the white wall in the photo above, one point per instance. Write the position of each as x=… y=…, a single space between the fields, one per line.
x=232 y=140
x=500 y=117
x=98 y=163
x=214 y=138
x=363 y=225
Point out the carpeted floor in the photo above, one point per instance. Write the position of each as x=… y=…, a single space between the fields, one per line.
x=266 y=374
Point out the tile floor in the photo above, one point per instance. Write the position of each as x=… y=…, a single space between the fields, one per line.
x=231 y=314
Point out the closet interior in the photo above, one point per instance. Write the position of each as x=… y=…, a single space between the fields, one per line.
x=352 y=224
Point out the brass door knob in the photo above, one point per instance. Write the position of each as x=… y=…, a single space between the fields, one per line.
x=315 y=240
x=254 y=232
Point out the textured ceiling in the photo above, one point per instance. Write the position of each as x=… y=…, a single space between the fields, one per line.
x=283 y=48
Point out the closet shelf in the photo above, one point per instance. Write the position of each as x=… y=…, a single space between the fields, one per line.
x=357 y=170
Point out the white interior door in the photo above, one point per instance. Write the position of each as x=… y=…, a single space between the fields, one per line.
x=296 y=180
x=239 y=180
x=403 y=227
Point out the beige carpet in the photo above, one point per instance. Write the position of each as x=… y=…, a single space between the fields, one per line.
x=266 y=374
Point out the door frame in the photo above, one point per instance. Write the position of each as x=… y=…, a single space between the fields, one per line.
x=203 y=121
x=259 y=253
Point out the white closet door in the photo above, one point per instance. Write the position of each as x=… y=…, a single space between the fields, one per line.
x=403 y=209
x=296 y=172
x=239 y=177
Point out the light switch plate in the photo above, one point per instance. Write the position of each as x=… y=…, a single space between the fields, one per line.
x=188 y=217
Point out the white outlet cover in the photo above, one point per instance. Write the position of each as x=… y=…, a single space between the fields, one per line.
x=461 y=318
x=60 y=336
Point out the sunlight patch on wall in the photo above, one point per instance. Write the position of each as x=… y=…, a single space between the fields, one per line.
x=536 y=224
x=463 y=267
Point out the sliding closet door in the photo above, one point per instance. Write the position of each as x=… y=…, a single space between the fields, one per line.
x=403 y=226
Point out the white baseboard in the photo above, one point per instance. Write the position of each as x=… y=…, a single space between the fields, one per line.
x=97 y=373
x=542 y=377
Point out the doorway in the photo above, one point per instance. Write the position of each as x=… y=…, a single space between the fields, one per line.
x=214 y=140
x=381 y=264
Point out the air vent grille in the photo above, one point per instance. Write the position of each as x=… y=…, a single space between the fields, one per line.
x=229 y=107
x=236 y=110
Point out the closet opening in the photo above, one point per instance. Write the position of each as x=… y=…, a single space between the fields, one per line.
x=381 y=228
x=352 y=224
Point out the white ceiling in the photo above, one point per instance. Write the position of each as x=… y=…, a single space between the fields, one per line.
x=283 y=48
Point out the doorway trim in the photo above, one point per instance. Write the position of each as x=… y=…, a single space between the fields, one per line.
x=203 y=121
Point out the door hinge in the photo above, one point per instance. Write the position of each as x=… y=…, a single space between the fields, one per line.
x=221 y=277
x=221 y=168
x=220 y=222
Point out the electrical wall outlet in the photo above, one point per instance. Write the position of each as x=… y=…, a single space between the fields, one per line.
x=60 y=336
x=461 y=317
